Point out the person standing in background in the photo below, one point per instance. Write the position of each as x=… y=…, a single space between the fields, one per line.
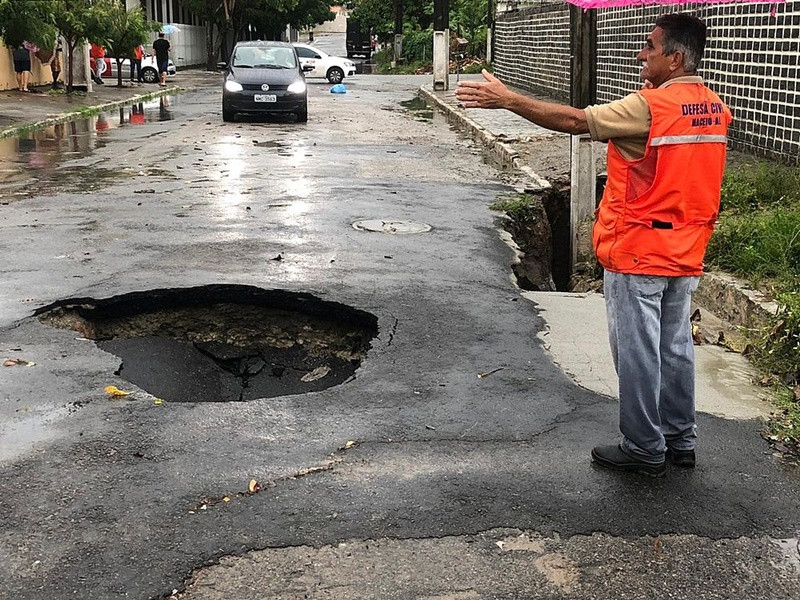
x=52 y=59
x=55 y=65
x=98 y=55
x=22 y=67
x=136 y=64
x=161 y=48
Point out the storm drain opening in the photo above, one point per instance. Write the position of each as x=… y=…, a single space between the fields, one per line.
x=395 y=227
x=539 y=224
x=222 y=343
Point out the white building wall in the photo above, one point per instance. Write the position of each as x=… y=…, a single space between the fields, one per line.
x=188 y=46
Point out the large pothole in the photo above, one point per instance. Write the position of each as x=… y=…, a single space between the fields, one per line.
x=222 y=343
x=539 y=224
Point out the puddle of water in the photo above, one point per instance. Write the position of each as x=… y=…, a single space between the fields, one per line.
x=419 y=107
x=30 y=154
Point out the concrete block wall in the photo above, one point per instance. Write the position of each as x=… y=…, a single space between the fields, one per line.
x=752 y=61
x=532 y=49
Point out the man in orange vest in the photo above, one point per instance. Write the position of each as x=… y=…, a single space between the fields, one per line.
x=666 y=157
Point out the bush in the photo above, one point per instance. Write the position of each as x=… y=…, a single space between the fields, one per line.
x=756 y=187
x=477 y=68
x=759 y=245
x=418 y=46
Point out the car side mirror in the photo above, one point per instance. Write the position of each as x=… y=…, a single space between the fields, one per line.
x=222 y=65
x=307 y=68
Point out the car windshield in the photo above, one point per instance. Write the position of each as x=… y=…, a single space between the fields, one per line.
x=251 y=57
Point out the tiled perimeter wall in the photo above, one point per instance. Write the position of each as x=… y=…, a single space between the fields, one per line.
x=751 y=61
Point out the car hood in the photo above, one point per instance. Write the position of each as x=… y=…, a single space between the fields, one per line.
x=270 y=76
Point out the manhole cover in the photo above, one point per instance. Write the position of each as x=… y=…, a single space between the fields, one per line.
x=223 y=343
x=396 y=227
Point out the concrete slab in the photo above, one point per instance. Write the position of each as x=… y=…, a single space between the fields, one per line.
x=724 y=379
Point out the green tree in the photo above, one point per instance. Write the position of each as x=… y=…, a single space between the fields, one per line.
x=80 y=21
x=269 y=18
x=123 y=31
x=468 y=18
x=27 y=20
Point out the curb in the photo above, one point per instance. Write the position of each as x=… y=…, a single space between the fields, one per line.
x=82 y=112
x=733 y=301
x=725 y=296
x=504 y=154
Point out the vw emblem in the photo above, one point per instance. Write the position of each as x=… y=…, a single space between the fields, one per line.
x=264 y=87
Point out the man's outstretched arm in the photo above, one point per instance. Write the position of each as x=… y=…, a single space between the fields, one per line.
x=492 y=93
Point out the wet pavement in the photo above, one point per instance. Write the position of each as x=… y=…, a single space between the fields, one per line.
x=454 y=463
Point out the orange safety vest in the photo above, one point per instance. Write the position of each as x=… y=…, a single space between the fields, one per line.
x=658 y=213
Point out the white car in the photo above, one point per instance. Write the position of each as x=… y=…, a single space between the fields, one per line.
x=149 y=69
x=332 y=68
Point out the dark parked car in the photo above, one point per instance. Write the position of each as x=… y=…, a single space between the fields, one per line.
x=263 y=78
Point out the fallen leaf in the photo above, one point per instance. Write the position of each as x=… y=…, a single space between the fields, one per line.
x=158 y=401
x=317 y=373
x=349 y=444
x=113 y=390
x=657 y=546
x=254 y=486
x=14 y=362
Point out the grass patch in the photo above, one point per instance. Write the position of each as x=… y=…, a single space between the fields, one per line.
x=758 y=239
x=514 y=205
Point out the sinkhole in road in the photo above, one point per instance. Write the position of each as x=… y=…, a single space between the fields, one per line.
x=222 y=343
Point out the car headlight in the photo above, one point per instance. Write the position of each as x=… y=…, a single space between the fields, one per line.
x=298 y=87
x=233 y=86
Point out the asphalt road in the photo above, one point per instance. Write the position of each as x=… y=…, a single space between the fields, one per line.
x=416 y=479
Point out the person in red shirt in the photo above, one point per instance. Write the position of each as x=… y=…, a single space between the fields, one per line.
x=136 y=64
x=98 y=56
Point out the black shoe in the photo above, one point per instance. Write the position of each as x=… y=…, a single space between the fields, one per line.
x=614 y=457
x=681 y=458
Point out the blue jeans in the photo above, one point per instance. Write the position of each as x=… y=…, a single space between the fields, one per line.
x=651 y=342
x=136 y=69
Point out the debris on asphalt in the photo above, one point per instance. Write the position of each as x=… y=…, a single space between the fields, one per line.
x=15 y=362
x=317 y=373
x=487 y=373
x=115 y=392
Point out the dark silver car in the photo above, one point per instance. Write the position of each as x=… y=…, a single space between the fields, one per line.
x=264 y=78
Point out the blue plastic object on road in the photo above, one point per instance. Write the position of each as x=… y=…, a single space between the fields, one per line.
x=339 y=89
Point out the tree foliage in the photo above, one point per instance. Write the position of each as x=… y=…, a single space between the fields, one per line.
x=123 y=31
x=27 y=20
x=468 y=18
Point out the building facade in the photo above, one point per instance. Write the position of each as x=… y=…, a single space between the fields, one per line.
x=751 y=60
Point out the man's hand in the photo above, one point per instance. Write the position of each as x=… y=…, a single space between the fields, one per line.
x=491 y=93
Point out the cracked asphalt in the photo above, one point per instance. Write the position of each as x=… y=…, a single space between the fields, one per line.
x=416 y=479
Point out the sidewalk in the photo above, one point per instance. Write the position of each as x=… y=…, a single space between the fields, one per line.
x=20 y=110
x=574 y=322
